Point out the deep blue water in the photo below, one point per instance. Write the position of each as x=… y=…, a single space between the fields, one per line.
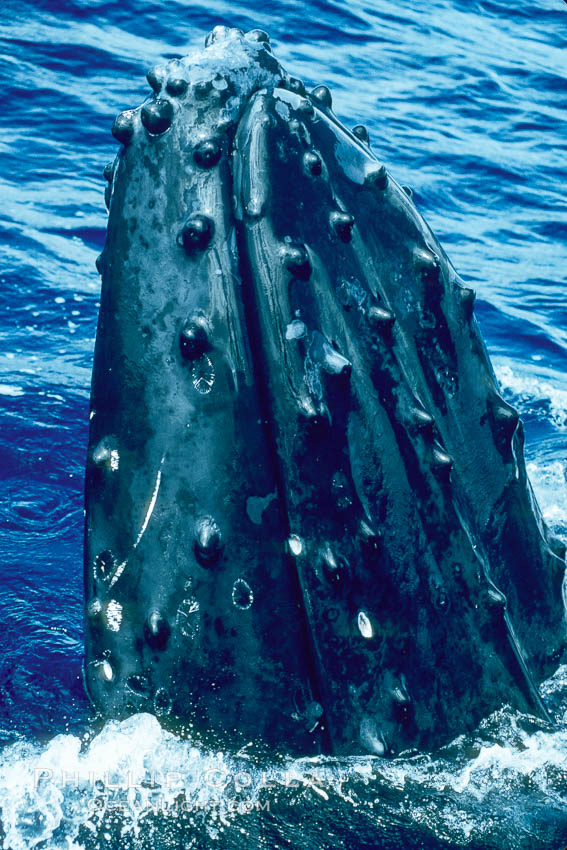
x=466 y=101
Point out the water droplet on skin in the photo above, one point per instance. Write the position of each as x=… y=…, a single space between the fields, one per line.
x=242 y=595
x=295 y=545
x=313 y=378
x=441 y=601
x=364 y=625
x=189 y=618
x=104 y=563
x=341 y=490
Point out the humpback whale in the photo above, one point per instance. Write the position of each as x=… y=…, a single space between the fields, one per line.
x=308 y=519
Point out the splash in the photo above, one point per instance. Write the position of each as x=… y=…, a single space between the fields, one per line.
x=135 y=783
x=537 y=394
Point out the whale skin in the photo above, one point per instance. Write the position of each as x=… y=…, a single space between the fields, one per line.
x=308 y=519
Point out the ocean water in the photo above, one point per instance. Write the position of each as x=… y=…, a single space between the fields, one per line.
x=466 y=101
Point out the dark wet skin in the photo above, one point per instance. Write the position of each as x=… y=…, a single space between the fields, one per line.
x=308 y=520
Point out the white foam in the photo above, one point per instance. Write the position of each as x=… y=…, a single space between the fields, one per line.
x=539 y=393
x=11 y=390
x=549 y=481
x=134 y=770
x=60 y=786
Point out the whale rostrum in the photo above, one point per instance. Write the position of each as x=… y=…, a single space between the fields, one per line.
x=308 y=520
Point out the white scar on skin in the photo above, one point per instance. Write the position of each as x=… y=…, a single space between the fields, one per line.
x=121 y=567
